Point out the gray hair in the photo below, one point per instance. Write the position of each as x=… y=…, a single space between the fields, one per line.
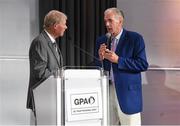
x=53 y=17
x=116 y=11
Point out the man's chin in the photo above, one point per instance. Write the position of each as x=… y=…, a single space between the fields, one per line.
x=110 y=31
x=61 y=34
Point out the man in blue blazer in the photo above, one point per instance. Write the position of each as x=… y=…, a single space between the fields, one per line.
x=125 y=59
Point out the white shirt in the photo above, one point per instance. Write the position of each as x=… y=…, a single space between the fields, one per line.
x=118 y=37
x=51 y=38
x=117 y=41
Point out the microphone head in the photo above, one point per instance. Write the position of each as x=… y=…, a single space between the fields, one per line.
x=108 y=35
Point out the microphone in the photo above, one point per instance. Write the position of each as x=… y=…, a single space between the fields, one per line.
x=82 y=50
x=89 y=54
x=108 y=42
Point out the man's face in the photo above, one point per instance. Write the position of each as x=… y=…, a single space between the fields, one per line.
x=113 y=24
x=60 y=28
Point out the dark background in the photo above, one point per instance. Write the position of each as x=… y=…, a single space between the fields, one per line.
x=85 y=23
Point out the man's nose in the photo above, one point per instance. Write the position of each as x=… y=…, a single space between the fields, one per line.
x=66 y=27
x=107 y=23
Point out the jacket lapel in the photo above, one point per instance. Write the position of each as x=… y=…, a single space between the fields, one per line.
x=51 y=47
x=121 y=42
x=54 y=52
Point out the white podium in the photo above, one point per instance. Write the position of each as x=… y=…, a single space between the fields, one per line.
x=79 y=96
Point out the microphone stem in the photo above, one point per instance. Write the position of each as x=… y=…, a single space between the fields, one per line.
x=84 y=51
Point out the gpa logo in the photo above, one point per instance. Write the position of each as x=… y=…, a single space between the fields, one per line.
x=83 y=101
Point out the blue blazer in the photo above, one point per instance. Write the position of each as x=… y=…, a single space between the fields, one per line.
x=127 y=73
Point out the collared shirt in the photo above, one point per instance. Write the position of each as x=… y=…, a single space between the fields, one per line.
x=54 y=43
x=118 y=37
x=51 y=38
x=117 y=41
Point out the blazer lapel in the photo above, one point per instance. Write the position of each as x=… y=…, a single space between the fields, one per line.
x=54 y=52
x=52 y=48
x=121 y=42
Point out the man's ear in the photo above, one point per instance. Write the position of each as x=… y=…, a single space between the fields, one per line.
x=120 y=20
x=55 y=25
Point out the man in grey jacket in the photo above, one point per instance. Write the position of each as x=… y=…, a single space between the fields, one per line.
x=44 y=54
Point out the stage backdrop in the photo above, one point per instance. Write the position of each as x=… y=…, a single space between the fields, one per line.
x=158 y=21
x=18 y=26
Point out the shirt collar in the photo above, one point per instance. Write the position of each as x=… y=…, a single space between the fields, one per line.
x=51 y=38
x=119 y=35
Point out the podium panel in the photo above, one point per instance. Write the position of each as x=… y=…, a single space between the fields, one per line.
x=83 y=96
x=77 y=97
x=45 y=102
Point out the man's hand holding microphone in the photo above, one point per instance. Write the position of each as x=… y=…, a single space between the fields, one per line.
x=105 y=53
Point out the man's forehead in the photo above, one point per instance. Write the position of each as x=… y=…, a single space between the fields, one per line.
x=109 y=16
